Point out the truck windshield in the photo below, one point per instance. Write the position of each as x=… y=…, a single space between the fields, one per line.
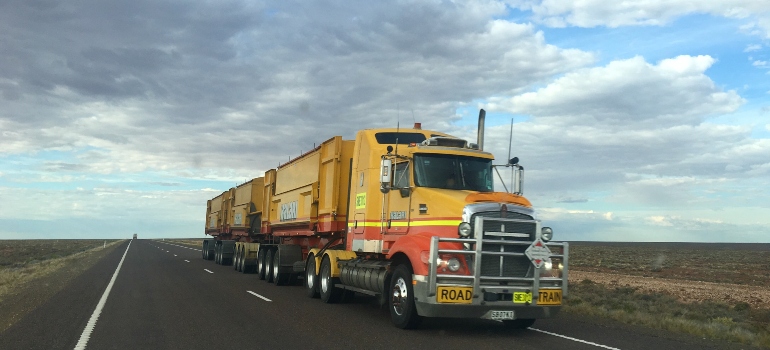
x=453 y=172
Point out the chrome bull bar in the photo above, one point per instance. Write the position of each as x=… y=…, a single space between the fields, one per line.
x=493 y=282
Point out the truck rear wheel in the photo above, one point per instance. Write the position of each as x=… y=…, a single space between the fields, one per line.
x=279 y=278
x=237 y=260
x=519 y=324
x=329 y=293
x=261 y=266
x=403 y=312
x=269 y=266
x=311 y=279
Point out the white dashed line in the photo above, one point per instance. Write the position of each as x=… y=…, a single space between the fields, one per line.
x=83 y=341
x=187 y=260
x=207 y=270
x=258 y=296
x=573 y=339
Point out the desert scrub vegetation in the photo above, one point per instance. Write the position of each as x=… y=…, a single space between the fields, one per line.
x=24 y=260
x=737 y=322
x=195 y=243
x=738 y=263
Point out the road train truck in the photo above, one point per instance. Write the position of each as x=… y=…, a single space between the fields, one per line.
x=409 y=216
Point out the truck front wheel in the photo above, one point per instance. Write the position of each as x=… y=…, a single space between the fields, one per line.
x=403 y=312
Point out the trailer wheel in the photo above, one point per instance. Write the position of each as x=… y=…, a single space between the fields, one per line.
x=243 y=268
x=236 y=259
x=240 y=261
x=279 y=278
x=519 y=324
x=216 y=257
x=261 y=266
x=269 y=266
x=311 y=279
x=329 y=293
x=403 y=313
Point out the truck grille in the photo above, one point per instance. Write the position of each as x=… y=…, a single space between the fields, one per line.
x=494 y=230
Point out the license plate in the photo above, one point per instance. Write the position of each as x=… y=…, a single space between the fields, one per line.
x=502 y=315
x=549 y=297
x=455 y=295
x=522 y=297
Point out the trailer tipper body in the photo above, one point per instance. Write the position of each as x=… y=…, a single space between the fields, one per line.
x=408 y=215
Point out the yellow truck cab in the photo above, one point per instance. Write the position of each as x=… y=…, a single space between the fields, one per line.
x=424 y=201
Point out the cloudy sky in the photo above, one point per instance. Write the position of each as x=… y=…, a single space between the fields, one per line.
x=635 y=120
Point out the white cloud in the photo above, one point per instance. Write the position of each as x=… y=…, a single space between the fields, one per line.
x=674 y=92
x=592 y=13
x=752 y=48
x=225 y=92
x=758 y=63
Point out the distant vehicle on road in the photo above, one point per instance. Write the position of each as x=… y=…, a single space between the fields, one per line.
x=134 y=235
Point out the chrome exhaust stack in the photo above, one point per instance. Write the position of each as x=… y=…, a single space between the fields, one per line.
x=480 y=132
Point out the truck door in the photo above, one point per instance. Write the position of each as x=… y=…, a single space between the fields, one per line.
x=398 y=200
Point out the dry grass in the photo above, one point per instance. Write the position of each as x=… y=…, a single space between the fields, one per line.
x=195 y=243
x=24 y=260
x=735 y=263
x=709 y=317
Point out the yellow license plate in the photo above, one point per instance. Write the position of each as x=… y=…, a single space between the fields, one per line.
x=546 y=297
x=522 y=297
x=455 y=295
x=549 y=297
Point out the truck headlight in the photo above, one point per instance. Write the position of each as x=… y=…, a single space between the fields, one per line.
x=546 y=233
x=553 y=267
x=464 y=229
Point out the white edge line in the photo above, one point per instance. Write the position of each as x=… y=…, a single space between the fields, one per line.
x=83 y=341
x=207 y=270
x=573 y=339
x=258 y=296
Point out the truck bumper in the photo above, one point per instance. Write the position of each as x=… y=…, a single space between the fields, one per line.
x=478 y=308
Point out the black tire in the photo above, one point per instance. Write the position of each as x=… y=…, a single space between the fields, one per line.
x=240 y=261
x=242 y=267
x=261 y=266
x=403 y=312
x=236 y=260
x=216 y=257
x=311 y=279
x=269 y=266
x=279 y=278
x=329 y=293
x=519 y=324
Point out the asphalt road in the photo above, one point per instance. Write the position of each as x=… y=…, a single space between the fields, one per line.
x=166 y=297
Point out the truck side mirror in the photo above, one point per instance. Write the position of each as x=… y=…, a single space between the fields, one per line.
x=404 y=192
x=385 y=166
x=518 y=179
